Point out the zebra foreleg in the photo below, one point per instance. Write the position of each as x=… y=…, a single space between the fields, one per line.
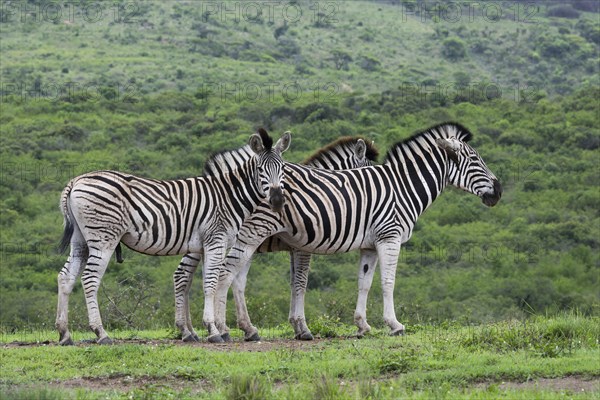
x=91 y=277
x=366 y=270
x=388 y=253
x=182 y=279
x=66 y=281
x=300 y=267
x=213 y=260
x=236 y=260
x=243 y=318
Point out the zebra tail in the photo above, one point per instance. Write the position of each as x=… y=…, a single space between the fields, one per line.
x=118 y=254
x=69 y=227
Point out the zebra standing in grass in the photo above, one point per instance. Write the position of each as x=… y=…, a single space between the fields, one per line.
x=372 y=208
x=345 y=153
x=156 y=217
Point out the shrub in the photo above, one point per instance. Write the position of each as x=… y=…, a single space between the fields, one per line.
x=563 y=11
x=454 y=49
x=325 y=326
x=369 y=63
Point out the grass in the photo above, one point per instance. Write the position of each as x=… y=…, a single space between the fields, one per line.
x=447 y=361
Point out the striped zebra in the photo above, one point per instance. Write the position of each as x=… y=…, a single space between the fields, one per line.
x=373 y=209
x=102 y=209
x=345 y=153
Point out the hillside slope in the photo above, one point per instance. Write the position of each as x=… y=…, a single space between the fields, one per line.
x=158 y=87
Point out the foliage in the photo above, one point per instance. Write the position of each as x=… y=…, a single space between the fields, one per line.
x=156 y=96
x=454 y=49
x=523 y=254
x=563 y=11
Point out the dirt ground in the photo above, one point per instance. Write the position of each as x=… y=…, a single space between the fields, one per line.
x=573 y=384
x=236 y=345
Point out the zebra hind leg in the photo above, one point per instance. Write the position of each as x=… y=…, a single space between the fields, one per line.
x=67 y=278
x=91 y=278
x=388 y=253
x=366 y=270
x=300 y=264
x=182 y=279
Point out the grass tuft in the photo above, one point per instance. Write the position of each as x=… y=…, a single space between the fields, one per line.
x=327 y=388
x=245 y=387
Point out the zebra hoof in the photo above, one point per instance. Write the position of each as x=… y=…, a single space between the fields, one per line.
x=226 y=337
x=104 y=340
x=190 y=338
x=305 y=336
x=215 y=339
x=66 y=342
x=196 y=337
x=399 y=332
x=361 y=333
x=254 y=338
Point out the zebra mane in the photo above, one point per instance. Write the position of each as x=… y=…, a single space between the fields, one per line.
x=443 y=130
x=226 y=161
x=343 y=142
x=266 y=139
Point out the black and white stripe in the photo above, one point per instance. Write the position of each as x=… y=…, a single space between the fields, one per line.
x=372 y=208
x=345 y=153
x=102 y=209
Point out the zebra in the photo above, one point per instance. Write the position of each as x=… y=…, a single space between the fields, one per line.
x=102 y=209
x=372 y=208
x=344 y=153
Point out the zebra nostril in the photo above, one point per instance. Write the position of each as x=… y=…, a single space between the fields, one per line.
x=497 y=188
x=491 y=199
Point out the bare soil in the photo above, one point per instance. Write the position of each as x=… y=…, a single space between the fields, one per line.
x=573 y=384
x=236 y=345
x=570 y=384
x=125 y=384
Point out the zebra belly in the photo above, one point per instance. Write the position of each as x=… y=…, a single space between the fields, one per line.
x=302 y=242
x=145 y=242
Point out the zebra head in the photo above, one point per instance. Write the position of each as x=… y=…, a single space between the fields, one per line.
x=364 y=154
x=469 y=172
x=269 y=165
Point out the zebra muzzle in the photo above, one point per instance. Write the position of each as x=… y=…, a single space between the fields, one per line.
x=276 y=199
x=491 y=199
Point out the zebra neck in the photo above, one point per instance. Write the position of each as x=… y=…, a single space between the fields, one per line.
x=238 y=190
x=421 y=175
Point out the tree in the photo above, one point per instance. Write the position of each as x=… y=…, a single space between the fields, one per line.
x=454 y=49
x=369 y=63
x=341 y=59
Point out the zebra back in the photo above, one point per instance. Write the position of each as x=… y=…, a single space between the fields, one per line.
x=159 y=216
x=345 y=153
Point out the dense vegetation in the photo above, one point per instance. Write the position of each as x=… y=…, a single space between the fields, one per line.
x=153 y=88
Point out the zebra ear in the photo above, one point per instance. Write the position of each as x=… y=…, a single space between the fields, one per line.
x=256 y=144
x=284 y=143
x=361 y=149
x=450 y=146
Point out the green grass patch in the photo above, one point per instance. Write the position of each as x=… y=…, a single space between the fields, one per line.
x=439 y=361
